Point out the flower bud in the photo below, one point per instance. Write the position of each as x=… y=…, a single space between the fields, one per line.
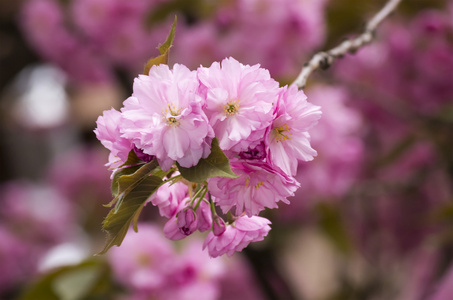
x=218 y=226
x=187 y=221
x=204 y=216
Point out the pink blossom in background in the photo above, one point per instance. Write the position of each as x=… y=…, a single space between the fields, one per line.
x=337 y=137
x=26 y=208
x=258 y=186
x=239 y=281
x=420 y=49
x=289 y=140
x=43 y=24
x=143 y=260
x=194 y=275
x=87 y=180
x=108 y=132
x=421 y=273
x=95 y=37
x=444 y=289
x=34 y=217
x=338 y=140
x=17 y=258
x=237 y=236
x=238 y=101
x=147 y=264
x=165 y=119
x=117 y=29
x=276 y=34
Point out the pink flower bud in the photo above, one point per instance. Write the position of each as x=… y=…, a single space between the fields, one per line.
x=218 y=226
x=204 y=216
x=187 y=221
x=237 y=236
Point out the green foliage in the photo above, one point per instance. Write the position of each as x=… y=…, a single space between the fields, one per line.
x=215 y=165
x=87 y=280
x=164 y=50
x=134 y=184
x=140 y=187
x=332 y=225
x=131 y=186
x=126 y=179
x=132 y=164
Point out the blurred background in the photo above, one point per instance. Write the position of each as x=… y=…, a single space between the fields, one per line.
x=373 y=217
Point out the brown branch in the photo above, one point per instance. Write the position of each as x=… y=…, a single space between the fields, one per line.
x=324 y=59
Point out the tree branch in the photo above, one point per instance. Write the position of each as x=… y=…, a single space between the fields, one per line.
x=324 y=59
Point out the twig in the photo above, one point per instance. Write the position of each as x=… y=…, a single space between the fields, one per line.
x=324 y=59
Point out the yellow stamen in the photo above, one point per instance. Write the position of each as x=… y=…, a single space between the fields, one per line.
x=282 y=133
x=171 y=121
x=258 y=185
x=232 y=107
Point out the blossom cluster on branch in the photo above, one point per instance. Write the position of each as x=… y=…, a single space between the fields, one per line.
x=225 y=135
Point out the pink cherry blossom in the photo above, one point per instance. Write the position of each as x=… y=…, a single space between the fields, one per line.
x=218 y=226
x=237 y=236
x=108 y=132
x=187 y=221
x=204 y=216
x=168 y=197
x=257 y=187
x=142 y=262
x=289 y=139
x=194 y=275
x=239 y=100
x=165 y=119
x=172 y=229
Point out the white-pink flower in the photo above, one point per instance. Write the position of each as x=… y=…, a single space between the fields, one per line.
x=258 y=186
x=237 y=236
x=165 y=119
x=239 y=101
x=288 y=139
x=108 y=132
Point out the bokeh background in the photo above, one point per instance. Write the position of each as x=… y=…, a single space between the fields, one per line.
x=373 y=217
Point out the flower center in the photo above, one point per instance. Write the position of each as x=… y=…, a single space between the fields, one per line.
x=282 y=133
x=232 y=107
x=171 y=115
x=257 y=185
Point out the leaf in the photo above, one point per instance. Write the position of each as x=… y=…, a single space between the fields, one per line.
x=164 y=50
x=118 y=220
x=131 y=165
x=215 y=165
x=124 y=181
x=86 y=280
x=76 y=284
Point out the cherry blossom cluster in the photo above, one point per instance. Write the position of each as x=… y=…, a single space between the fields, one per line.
x=174 y=115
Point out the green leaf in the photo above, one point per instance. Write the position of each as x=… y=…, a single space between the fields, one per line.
x=126 y=179
x=76 y=284
x=132 y=164
x=164 y=50
x=87 y=280
x=215 y=165
x=118 y=220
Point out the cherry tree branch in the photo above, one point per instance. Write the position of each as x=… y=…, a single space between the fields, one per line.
x=324 y=59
